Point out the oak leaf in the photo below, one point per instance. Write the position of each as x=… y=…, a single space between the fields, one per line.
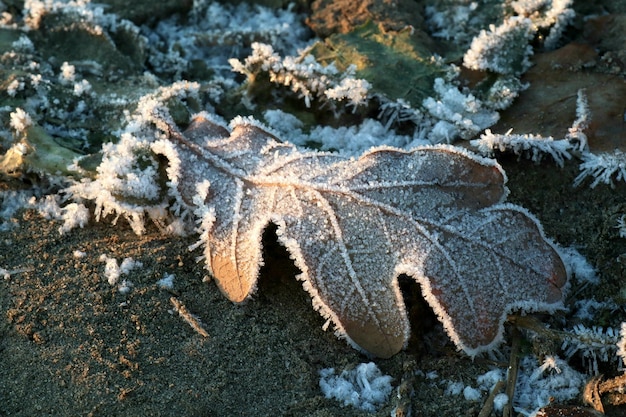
x=353 y=225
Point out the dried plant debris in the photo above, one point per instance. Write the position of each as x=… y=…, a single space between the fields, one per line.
x=351 y=226
x=537 y=146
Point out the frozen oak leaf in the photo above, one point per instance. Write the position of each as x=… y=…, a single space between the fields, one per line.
x=353 y=225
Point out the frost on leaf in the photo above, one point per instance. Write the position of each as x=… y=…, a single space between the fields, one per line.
x=352 y=226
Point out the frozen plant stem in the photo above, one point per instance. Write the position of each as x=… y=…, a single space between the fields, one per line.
x=512 y=372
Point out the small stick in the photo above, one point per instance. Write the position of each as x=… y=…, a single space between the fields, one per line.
x=488 y=406
x=188 y=317
x=513 y=368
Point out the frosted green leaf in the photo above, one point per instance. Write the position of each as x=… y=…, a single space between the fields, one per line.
x=383 y=58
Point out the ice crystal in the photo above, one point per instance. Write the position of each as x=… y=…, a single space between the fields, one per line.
x=452 y=21
x=214 y=31
x=503 y=49
x=457 y=114
x=20 y=120
x=303 y=75
x=536 y=146
x=538 y=386
x=552 y=14
x=621 y=226
x=593 y=344
x=621 y=344
x=113 y=271
x=350 y=141
x=68 y=73
x=364 y=387
x=603 y=168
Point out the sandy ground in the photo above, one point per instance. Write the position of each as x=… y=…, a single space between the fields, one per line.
x=73 y=345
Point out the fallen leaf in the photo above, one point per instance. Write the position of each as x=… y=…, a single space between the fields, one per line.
x=353 y=225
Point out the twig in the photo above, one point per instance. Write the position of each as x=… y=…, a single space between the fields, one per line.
x=488 y=406
x=613 y=388
x=188 y=317
x=512 y=371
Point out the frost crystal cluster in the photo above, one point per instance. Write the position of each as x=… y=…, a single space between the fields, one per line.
x=364 y=387
x=553 y=380
x=303 y=75
x=536 y=146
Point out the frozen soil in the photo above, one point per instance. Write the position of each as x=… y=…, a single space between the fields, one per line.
x=71 y=344
x=74 y=345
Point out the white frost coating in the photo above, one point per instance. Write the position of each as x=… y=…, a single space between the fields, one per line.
x=503 y=49
x=534 y=145
x=113 y=271
x=603 y=168
x=348 y=141
x=127 y=182
x=621 y=344
x=68 y=73
x=621 y=226
x=471 y=394
x=579 y=267
x=458 y=114
x=127 y=172
x=304 y=76
x=213 y=31
x=506 y=49
x=576 y=133
x=73 y=215
x=592 y=343
x=167 y=282
x=364 y=387
x=553 y=381
x=500 y=401
x=454 y=388
x=20 y=120
x=553 y=14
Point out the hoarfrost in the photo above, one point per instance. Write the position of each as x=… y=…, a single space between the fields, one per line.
x=621 y=344
x=20 y=120
x=471 y=394
x=592 y=343
x=320 y=203
x=580 y=268
x=215 y=32
x=503 y=49
x=536 y=387
x=603 y=168
x=535 y=146
x=167 y=282
x=349 y=141
x=456 y=114
x=303 y=75
x=113 y=271
x=364 y=387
